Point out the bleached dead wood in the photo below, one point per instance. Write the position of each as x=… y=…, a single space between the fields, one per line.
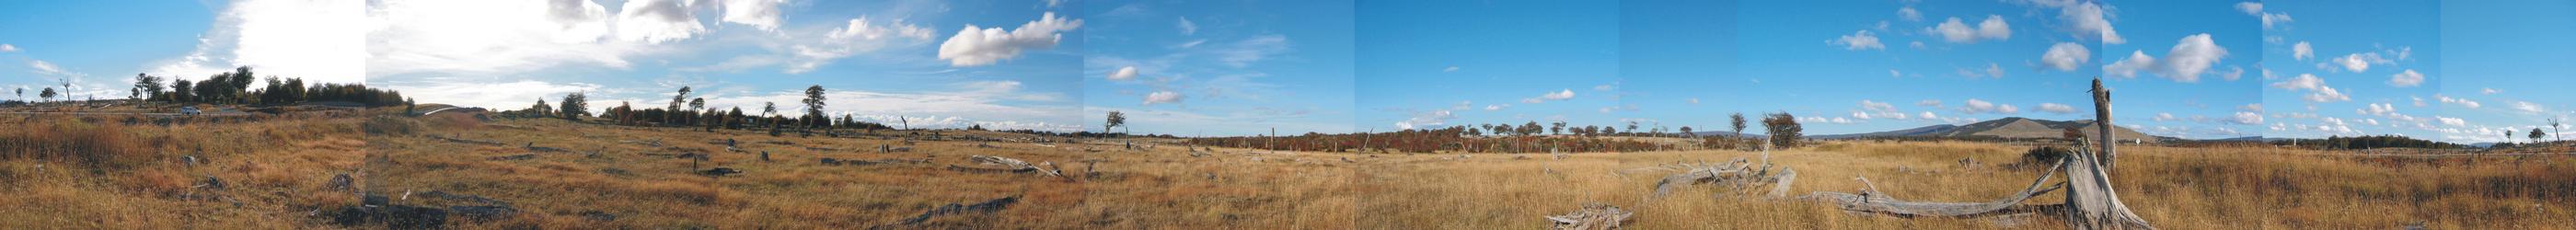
x=1010 y=165
x=1736 y=175
x=2091 y=202
x=1871 y=201
x=1594 y=216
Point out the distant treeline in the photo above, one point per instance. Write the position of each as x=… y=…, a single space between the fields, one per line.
x=684 y=111
x=2366 y=142
x=234 y=88
x=1453 y=139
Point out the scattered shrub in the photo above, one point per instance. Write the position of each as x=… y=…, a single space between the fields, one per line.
x=385 y=125
x=2042 y=156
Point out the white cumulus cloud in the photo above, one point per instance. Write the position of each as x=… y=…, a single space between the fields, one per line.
x=1556 y=96
x=1958 y=31
x=2248 y=118
x=2302 y=51
x=2089 y=20
x=761 y=14
x=2409 y=78
x=2321 y=93
x=1858 y=41
x=1976 y=106
x=1163 y=97
x=2463 y=102
x=2189 y=58
x=977 y=46
x=656 y=21
x=2066 y=56
x=1124 y=73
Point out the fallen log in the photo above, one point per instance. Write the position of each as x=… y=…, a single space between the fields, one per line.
x=1011 y=166
x=1593 y=216
x=1736 y=175
x=1871 y=201
x=2091 y=202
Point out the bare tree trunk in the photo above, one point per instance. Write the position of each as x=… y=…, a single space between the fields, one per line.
x=2102 y=121
x=2092 y=203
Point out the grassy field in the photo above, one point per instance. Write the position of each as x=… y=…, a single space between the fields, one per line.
x=634 y=177
x=112 y=172
x=100 y=172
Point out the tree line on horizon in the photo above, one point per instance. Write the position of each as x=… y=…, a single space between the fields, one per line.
x=234 y=88
x=1782 y=129
x=686 y=111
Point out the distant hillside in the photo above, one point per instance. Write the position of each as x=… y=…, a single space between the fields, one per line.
x=2248 y=138
x=1728 y=134
x=1934 y=130
x=2009 y=127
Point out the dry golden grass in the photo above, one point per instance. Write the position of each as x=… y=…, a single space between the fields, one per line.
x=67 y=172
x=1165 y=188
x=646 y=187
x=96 y=172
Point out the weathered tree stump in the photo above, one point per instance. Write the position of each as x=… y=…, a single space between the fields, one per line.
x=2091 y=202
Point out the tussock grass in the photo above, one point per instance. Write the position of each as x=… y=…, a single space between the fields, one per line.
x=128 y=173
x=85 y=141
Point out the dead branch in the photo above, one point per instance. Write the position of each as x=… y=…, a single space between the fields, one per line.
x=1593 y=216
x=1011 y=166
x=1734 y=175
x=1871 y=201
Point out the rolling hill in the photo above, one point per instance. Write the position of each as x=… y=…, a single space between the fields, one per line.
x=2009 y=127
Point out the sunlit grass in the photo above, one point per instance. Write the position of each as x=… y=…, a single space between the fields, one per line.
x=277 y=167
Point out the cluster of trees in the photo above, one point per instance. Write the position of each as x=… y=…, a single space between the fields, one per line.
x=1782 y=130
x=1528 y=137
x=686 y=111
x=1451 y=139
x=1533 y=128
x=235 y=88
x=2366 y=142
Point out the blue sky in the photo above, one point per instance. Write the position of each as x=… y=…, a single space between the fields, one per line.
x=2485 y=67
x=1865 y=66
x=1430 y=64
x=2347 y=81
x=96 y=60
x=2459 y=71
x=2506 y=56
x=1220 y=68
